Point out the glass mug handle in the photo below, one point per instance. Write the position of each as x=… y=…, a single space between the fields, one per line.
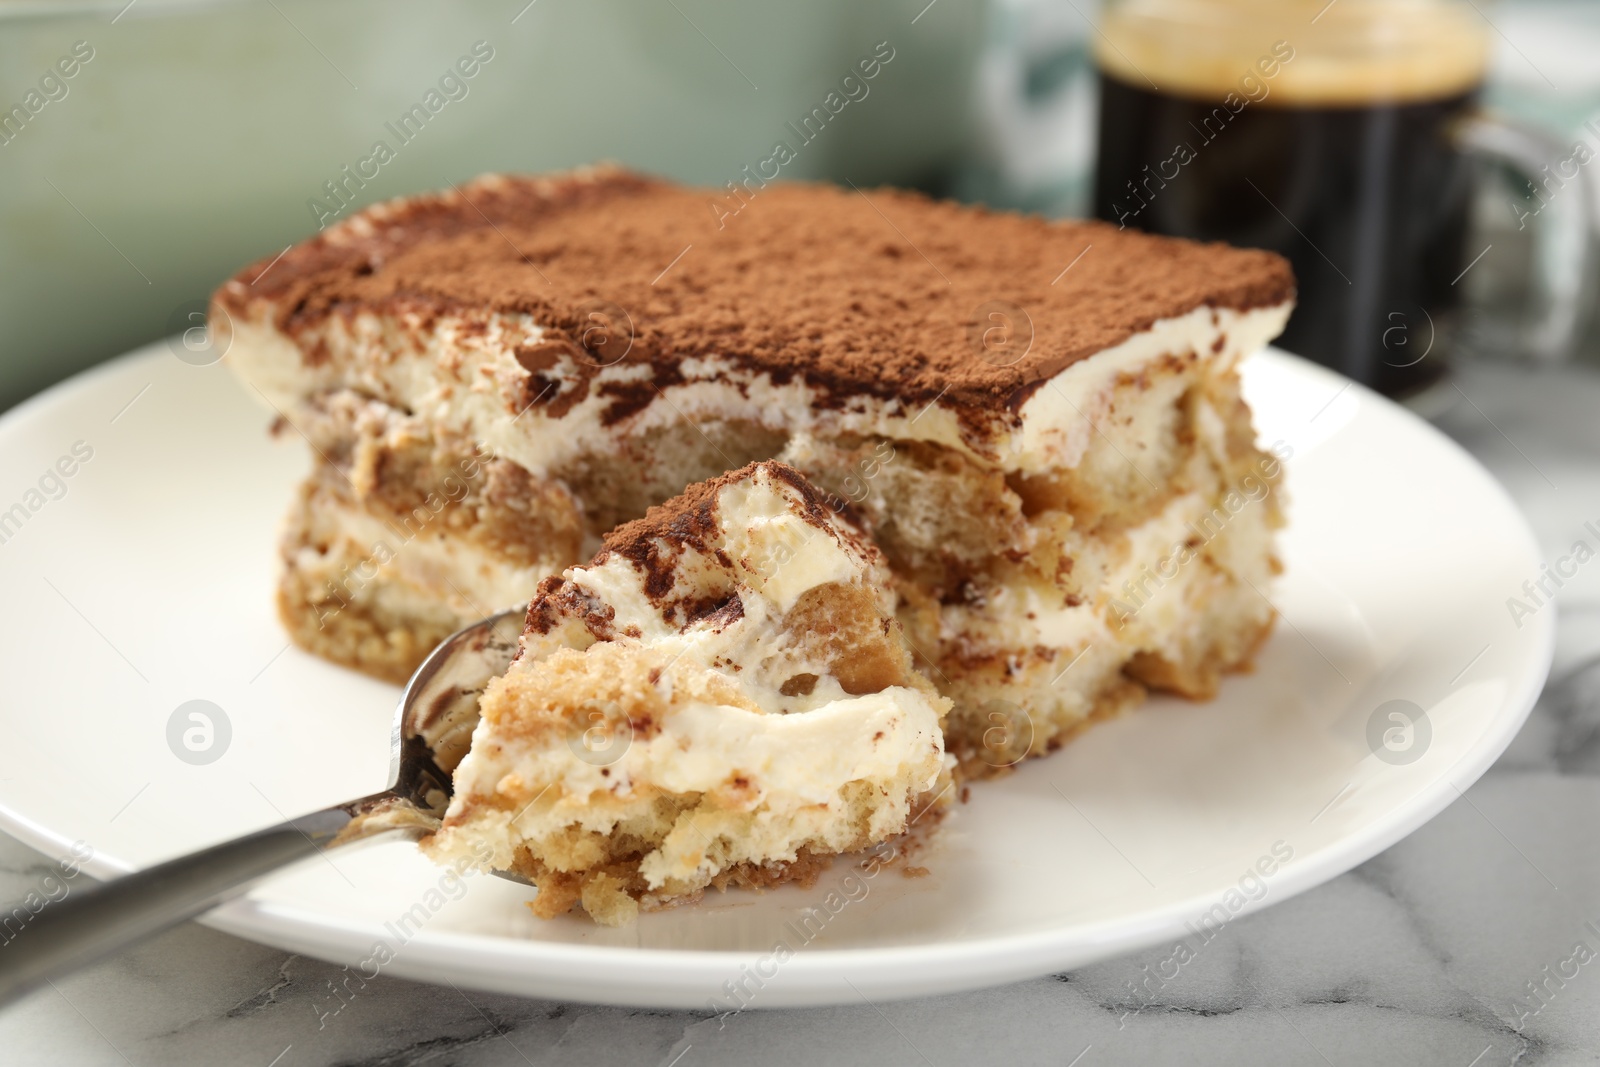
x=1565 y=271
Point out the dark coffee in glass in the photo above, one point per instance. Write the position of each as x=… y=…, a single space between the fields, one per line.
x=1334 y=143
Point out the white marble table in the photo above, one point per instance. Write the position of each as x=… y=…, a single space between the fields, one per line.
x=1424 y=955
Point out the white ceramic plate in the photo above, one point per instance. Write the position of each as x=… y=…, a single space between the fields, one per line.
x=144 y=580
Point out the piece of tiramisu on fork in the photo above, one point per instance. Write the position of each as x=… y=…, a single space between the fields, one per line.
x=722 y=696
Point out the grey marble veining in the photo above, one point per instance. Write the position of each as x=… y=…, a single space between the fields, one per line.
x=1459 y=946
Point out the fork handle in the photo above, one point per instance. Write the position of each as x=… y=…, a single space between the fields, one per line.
x=80 y=928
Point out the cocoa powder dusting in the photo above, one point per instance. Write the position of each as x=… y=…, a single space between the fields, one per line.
x=881 y=293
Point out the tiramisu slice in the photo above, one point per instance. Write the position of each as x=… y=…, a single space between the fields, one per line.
x=722 y=697
x=1039 y=422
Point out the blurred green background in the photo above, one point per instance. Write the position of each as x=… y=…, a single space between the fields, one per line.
x=194 y=138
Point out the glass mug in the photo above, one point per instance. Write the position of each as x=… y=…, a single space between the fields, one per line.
x=1338 y=135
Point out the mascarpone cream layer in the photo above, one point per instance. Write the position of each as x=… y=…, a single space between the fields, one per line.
x=468 y=379
x=414 y=576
